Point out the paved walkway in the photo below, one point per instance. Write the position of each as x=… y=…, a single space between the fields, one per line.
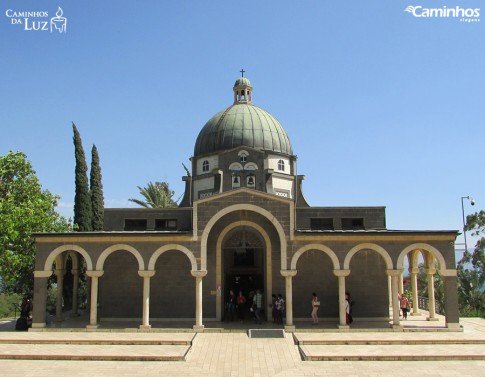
x=235 y=354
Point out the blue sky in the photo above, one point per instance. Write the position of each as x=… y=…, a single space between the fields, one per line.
x=382 y=108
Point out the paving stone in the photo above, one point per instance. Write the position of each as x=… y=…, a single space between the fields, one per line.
x=235 y=354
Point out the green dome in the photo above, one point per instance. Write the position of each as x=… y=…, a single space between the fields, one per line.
x=242 y=81
x=242 y=125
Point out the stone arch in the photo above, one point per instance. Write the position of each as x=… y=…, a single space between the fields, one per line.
x=269 y=267
x=422 y=247
x=239 y=207
x=323 y=248
x=413 y=257
x=59 y=250
x=370 y=246
x=106 y=253
x=75 y=262
x=163 y=249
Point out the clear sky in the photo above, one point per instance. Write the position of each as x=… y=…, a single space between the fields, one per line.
x=383 y=108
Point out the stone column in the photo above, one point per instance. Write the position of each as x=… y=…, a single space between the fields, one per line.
x=401 y=283
x=146 y=275
x=389 y=290
x=288 y=275
x=341 y=274
x=93 y=312
x=432 y=311
x=198 y=327
x=451 y=299
x=40 y=298
x=75 y=288
x=413 y=273
x=394 y=274
x=60 y=284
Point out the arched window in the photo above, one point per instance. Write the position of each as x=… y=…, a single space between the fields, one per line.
x=205 y=166
x=281 y=165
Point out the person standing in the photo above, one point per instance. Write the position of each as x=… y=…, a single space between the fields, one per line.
x=241 y=305
x=315 y=307
x=348 y=309
x=231 y=305
x=258 y=305
x=280 y=308
x=274 y=311
x=404 y=303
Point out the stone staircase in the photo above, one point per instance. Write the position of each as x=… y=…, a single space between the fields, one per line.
x=383 y=347
x=95 y=346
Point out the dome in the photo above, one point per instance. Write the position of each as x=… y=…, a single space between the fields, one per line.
x=242 y=124
x=242 y=81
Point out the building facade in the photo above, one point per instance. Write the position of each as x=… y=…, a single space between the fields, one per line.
x=243 y=225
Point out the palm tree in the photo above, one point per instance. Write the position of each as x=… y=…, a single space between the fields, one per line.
x=156 y=195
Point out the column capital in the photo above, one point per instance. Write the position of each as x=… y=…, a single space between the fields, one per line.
x=288 y=273
x=94 y=273
x=413 y=270
x=430 y=271
x=146 y=273
x=343 y=273
x=394 y=272
x=42 y=274
x=198 y=273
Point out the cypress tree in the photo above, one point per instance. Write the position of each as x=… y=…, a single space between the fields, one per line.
x=96 y=186
x=82 y=200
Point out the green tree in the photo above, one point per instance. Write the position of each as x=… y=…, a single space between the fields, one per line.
x=476 y=224
x=156 y=195
x=470 y=292
x=82 y=199
x=24 y=209
x=96 y=189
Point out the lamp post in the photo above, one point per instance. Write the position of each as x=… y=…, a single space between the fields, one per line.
x=472 y=202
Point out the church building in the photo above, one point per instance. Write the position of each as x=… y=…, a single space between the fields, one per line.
x=243 y=225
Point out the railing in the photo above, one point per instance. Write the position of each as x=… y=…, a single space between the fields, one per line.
x=423 y=303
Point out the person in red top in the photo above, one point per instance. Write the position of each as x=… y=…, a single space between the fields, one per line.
x=241 y=305
x=404 y=303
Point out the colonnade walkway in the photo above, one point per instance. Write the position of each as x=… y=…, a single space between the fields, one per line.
x=225 y=349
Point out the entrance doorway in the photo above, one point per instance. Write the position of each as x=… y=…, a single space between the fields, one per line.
x=244 y=269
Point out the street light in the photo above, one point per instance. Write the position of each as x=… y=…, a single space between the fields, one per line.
x=472 y=202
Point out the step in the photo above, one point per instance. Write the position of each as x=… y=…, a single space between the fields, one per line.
x=95 y=346
x=388 y=342
x=266 y=333
x=111 y=352
x=140 y=342
x=110 y=338
x=386 y=352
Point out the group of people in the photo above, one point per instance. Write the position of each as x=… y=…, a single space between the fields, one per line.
x=348 y=308
x=239 y=304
